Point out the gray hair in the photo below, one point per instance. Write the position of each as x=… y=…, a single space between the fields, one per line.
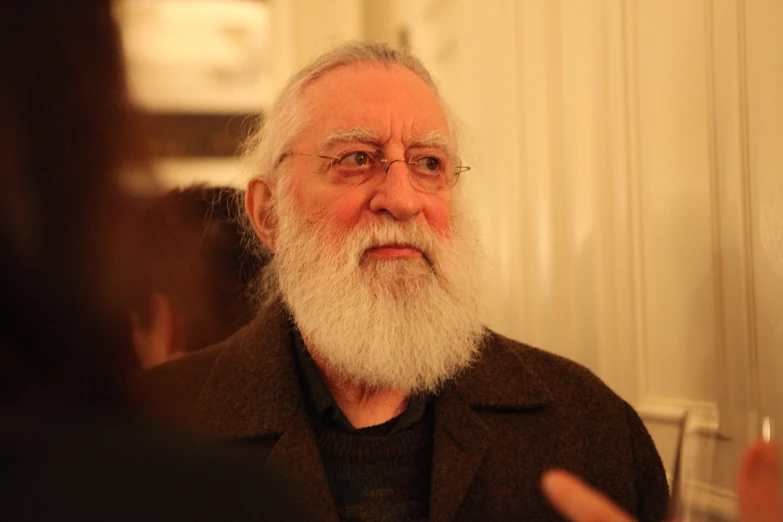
x=264 y=147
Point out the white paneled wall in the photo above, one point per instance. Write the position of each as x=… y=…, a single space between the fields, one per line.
x=628 y=175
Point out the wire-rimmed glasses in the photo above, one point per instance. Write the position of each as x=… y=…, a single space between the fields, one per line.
x=429 y=172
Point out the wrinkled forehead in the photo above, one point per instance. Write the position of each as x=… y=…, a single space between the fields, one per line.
x=385 y=104
x=372 y=137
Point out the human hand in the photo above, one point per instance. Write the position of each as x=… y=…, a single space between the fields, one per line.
x=758 y=491
x=759 y=483
x=577 y=501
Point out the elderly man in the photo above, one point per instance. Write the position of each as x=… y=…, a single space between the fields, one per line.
x=368 y=376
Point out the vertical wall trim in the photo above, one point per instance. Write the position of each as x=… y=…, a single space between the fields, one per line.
x=524 y=231
x=606 y=295
x=635 y=221
x=747 y=221
x=715 y=202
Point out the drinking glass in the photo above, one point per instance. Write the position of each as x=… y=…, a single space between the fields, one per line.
x=710 y=448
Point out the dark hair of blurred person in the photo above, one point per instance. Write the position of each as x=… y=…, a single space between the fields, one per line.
x=65 y=138
x=69 y=446
x=194 y=274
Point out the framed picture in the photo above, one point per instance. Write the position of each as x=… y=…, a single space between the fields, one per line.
x=190 y=135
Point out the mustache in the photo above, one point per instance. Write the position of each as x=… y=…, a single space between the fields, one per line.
x=388 y=233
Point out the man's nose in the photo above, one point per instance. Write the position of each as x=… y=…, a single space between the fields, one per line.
x=395 y=193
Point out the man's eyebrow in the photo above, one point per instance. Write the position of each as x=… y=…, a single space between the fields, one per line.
x=355 y=134
x=433 y=139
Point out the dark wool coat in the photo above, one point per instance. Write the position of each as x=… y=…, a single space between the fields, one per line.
x=499 y=425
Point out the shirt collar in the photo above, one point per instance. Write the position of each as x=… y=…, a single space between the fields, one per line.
x=325 y=409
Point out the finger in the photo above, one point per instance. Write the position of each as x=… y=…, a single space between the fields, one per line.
x=758 y=484
x=577 y=501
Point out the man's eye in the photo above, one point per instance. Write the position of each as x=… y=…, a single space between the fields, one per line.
x=429 y=164
x=356 y=159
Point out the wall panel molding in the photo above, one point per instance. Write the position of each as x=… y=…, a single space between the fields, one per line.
x=730 y=169
x=663 y=416
x=636 y=300
x=714 y=167
x=670 y=410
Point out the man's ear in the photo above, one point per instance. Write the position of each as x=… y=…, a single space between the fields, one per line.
x=258 y=205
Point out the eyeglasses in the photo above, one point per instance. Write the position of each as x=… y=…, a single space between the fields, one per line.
x=430 y=172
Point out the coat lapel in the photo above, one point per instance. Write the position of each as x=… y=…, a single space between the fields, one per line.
x=503 y=379
x=253 y=392
x=460 y=440
x=296 y=457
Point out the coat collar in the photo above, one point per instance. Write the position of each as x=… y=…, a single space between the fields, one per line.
x=504 y=378
x=507 y=376
x=252 y=389
x=253 y=392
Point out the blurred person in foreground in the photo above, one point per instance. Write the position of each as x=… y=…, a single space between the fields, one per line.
x=368 y=376
x=758 y=484
x=193 y=288
x=70 y=446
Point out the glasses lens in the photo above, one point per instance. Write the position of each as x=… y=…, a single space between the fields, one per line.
x=430 y=173
x=354 y=168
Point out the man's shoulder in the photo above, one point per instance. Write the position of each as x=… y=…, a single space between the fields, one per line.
x=169 y=390
x=549 y=366
x=172 y=390
x=527 y=397
x=193 y=367
x=514 y=374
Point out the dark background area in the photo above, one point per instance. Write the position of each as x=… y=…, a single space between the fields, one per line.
x=189 y=135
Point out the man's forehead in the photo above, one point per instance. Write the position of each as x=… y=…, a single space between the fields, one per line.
x=375 y=103
x=370 y=136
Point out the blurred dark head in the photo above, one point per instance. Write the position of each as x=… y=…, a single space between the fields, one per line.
x=193 y=274
x=66 y=136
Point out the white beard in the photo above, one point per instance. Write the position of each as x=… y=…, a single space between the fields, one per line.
x=403 y=324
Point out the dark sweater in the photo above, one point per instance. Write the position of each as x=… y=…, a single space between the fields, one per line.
x=378 y=478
